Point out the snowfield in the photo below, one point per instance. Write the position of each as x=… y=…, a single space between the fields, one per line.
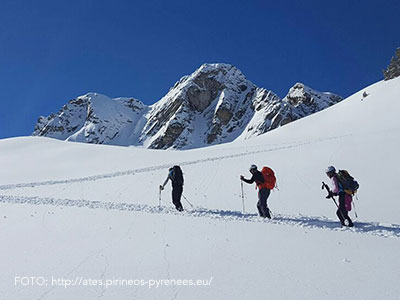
x=84 y=219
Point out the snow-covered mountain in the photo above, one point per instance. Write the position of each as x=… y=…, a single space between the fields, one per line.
x=96 y=119
x=301 y=101
x=70 y=212
x=216 y=104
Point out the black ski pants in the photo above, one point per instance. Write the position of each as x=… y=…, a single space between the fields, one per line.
x=262 y=207
x=176 y=196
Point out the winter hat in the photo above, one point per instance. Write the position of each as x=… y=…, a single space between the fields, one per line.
x=330 y=169
x=253 y=167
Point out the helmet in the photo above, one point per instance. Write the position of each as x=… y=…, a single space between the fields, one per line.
x=253 y=167
x=330 y=169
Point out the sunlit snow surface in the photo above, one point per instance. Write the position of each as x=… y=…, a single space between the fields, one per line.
x=78 y=211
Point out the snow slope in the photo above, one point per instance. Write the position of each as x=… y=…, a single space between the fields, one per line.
x=76 y=210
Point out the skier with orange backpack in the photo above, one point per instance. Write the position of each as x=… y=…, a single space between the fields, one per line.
x=265 y=181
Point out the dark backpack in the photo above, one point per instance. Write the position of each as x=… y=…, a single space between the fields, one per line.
x=349 y=185
x=177 y=175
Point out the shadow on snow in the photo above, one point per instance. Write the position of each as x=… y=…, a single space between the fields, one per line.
x=377 y=229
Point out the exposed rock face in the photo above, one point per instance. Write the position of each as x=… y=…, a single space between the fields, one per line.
x=393 y=70
x=215 y=104
x=300 y=102
x=204 y=108
x=304 y=101
x=95 y=118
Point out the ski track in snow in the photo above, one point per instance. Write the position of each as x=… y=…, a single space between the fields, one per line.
x=161 y=167
x=369 y=228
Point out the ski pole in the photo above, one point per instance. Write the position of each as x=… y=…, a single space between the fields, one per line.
x=159 y=197
x=270 y=212
x=355 y=212
x=241 y=185
x=324 y=185
x=187 y=201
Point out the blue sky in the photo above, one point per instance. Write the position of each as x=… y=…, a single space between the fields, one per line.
x=54 y=51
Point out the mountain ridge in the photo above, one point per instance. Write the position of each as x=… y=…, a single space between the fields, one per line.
x=215 y=104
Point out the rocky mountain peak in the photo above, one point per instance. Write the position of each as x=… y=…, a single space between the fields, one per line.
x=300 y=94
x=215 y=104
x=393 y=69
x=202 y=87
x=92 y=118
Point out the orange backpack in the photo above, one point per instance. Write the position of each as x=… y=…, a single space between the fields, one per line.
x=269 y=178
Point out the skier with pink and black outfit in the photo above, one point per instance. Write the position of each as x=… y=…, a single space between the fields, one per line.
x=344 y=198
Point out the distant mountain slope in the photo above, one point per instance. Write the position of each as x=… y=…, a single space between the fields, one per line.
x=216 y=104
